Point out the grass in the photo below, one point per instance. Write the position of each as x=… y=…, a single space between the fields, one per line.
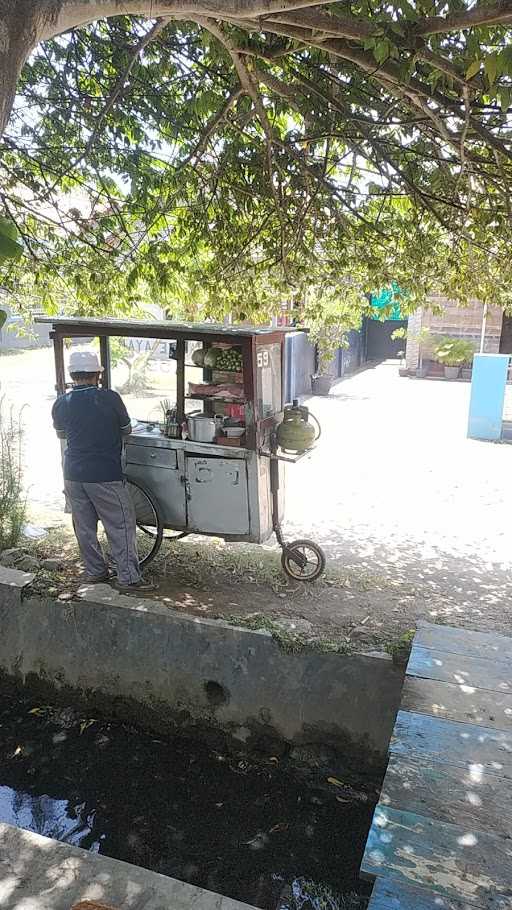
x=289 y=641
x=400 y=648
x=13 y=503
x=209 y=564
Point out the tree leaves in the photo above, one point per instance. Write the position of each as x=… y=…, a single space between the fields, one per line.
x=9 y=246
x=184 y=198
x=473 y=69
x=491 y=67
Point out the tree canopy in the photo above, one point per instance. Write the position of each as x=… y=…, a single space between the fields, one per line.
x=227 y=153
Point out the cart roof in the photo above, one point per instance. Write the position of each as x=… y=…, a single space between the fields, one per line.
x=110 y=326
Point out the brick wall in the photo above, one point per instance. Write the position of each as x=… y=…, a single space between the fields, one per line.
x=461 y=322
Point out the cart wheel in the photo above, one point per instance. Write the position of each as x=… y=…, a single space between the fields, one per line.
x=167 y=533
x=303 y=560
x=149 y=533
x=174 y=535
x=149 y=523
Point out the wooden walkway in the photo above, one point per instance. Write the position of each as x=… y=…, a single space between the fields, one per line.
x=441 y=836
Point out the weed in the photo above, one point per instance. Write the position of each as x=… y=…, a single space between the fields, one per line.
x=400 y=648
x=13 y=503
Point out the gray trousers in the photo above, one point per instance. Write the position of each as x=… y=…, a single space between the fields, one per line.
x=111 y=504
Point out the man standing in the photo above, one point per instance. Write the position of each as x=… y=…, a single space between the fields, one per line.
x=94 y=421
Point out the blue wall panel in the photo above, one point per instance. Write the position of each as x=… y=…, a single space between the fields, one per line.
x=488 y=384
x=299 y=365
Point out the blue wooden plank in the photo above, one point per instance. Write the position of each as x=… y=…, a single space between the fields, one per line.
x=488 y=645
x=458 y=702
x=480 y=673
x=471 y=746
x=471 y=797
x=459 y=863
x=391 y=895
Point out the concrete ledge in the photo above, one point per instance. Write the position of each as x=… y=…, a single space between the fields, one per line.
x=12 y=584
x=13 y=578
x=142 y=660
x=37 y=873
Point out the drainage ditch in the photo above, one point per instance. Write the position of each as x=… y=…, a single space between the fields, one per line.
x=274 y=830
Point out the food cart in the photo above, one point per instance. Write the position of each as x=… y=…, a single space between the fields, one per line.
x=203 y=456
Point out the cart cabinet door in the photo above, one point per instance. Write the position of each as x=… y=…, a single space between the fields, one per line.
x=157 y=470
x=217 y=495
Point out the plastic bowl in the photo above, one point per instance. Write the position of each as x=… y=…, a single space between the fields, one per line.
x=234 y=431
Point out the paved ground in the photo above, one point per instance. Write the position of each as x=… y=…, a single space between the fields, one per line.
x=413 y=516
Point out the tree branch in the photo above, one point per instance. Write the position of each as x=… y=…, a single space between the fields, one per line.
x=121 y=80
x=482 y=14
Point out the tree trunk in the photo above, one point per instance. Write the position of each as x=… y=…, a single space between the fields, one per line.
x=20 y=25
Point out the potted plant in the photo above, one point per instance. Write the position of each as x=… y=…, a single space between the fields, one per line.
x=420 y=337
x=329 y=312
x=452 y=353
x=467 y=368
x=398 y=335
x=423 y=365
x=327 y=342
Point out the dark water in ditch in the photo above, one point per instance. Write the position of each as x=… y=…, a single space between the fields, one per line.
x=258 y=831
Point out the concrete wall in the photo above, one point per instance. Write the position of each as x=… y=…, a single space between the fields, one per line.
x=16 y=335
x=460 y=322
x=37 y=873
x=165 y=668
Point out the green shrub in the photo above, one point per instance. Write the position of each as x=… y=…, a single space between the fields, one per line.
x=452 y=352
x=13 y=503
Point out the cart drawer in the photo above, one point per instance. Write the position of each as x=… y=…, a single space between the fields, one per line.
x=152 y=455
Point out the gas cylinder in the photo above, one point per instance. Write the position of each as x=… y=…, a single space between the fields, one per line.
x=295 y=433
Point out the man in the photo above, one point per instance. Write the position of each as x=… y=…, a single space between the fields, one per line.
x=94 y=421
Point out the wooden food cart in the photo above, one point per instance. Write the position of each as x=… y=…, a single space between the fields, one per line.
x=224 y=387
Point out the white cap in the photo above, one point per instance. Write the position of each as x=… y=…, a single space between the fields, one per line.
x=85 y=362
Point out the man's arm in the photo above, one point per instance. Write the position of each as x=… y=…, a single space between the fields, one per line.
x=59 y=423
x=125 y=424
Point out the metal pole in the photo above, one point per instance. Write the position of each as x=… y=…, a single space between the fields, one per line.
x=482 y=333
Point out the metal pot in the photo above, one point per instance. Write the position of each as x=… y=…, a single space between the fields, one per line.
x=202 y=428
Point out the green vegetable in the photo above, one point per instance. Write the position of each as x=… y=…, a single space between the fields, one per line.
x=229 y=359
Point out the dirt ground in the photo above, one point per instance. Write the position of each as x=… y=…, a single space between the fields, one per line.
x=413 y=516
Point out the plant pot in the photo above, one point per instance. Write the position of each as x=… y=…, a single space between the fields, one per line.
x=451 y=372
x=422 y=371
x=321 y=384
x=467 y=373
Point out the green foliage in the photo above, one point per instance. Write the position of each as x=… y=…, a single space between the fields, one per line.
x=369 y=168
x=9 y=246
x=400 y=648
x=12 y=496
x=453 y=352
x=329 y=312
